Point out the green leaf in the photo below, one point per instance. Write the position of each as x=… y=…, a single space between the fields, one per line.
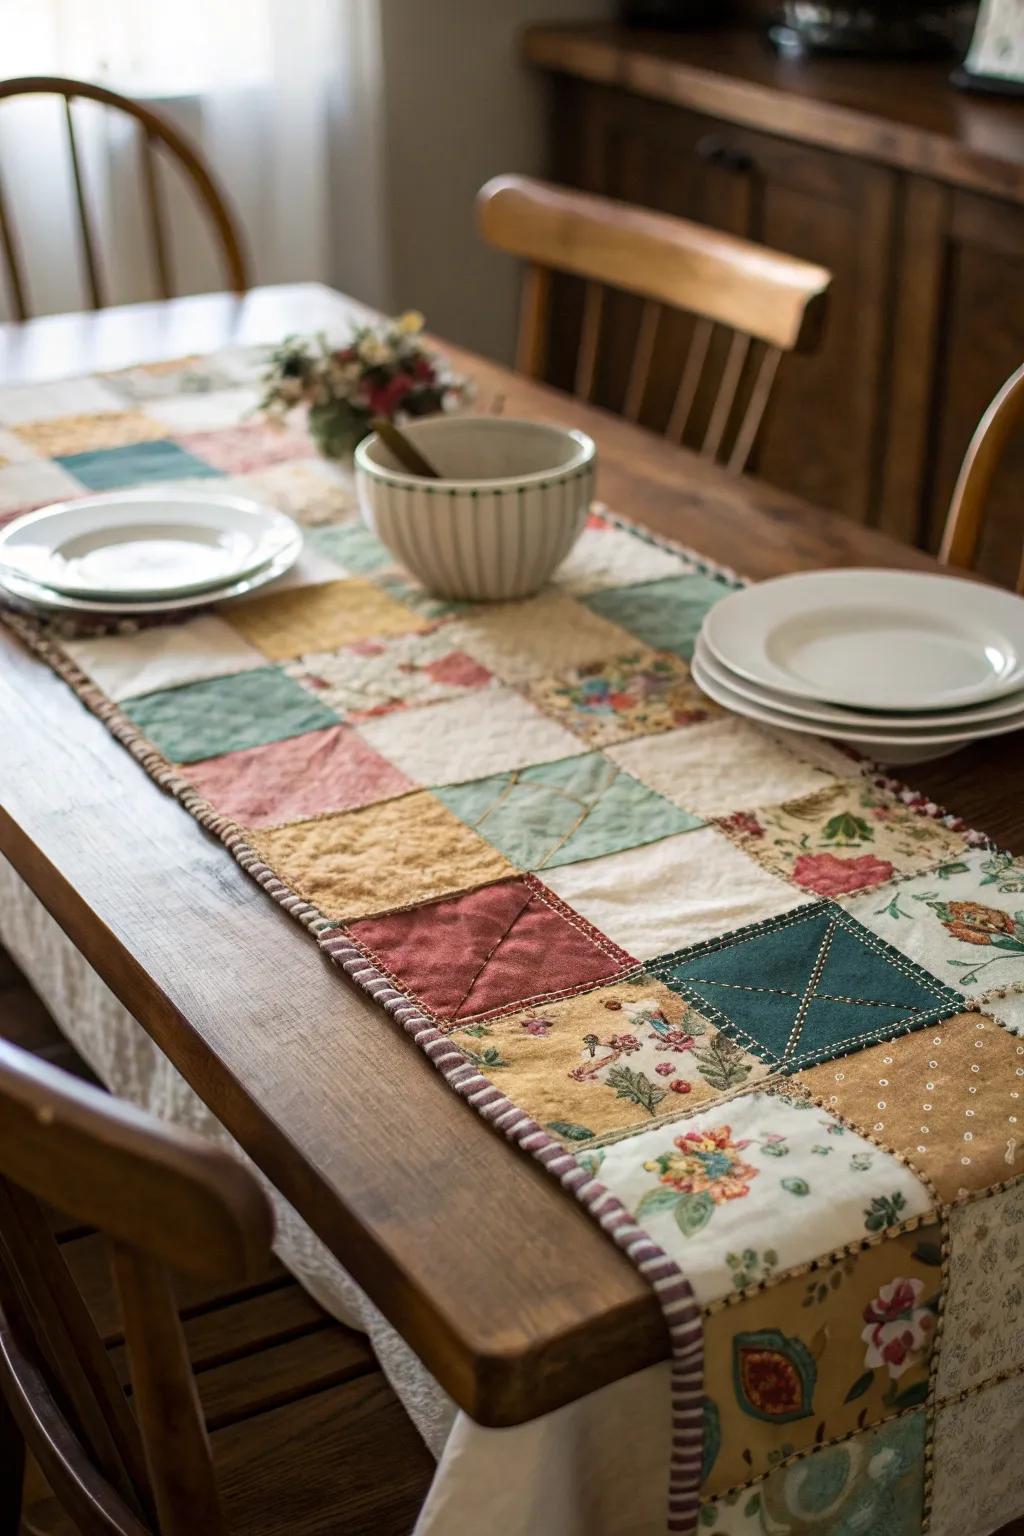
x=752 y=1506
x=945 y=870
x=570 y=1131
x=910 y=1397
x=928 y=1253
x=709 y=1514
x=1006 y=942
x=859 y=1387
x=847 y=828
x=694 y=1212
x=796 y=1186
x=720 y=1063
x=636 y=1087
x=660 y=1199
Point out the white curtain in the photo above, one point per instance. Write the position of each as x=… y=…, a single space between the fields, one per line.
x=262 y=87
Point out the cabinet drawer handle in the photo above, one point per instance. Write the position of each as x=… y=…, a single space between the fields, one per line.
x=716 y=151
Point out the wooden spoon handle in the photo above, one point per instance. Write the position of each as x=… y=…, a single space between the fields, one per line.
x=407 y=454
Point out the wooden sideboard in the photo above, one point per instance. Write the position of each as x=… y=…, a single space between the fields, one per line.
x=910 y=191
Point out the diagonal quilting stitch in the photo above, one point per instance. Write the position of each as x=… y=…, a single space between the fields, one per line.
x=810 y=989
x=490 y=955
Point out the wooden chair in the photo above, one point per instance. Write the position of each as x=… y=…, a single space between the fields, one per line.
x=768 y=301
x=154 y=135
x=966 y=516
x=304 y=1433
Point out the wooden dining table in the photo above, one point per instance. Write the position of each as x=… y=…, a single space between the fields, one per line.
x=509 y=1293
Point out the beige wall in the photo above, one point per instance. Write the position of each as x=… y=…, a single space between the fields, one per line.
x=458 y=107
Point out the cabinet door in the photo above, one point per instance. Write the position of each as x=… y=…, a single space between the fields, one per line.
x=821 y=436
x=958 y=337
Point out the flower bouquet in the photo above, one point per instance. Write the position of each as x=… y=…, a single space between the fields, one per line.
x=384 y=370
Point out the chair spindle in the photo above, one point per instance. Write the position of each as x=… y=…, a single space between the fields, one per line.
x=161 y=255
x=739 y=346
x=749 y=427
x=84 y=224
x=590 y=335
x=689 y=382
x=12 y=258
x=643 y=353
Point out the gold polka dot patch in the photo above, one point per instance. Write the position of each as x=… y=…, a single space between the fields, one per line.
x=950 y=1099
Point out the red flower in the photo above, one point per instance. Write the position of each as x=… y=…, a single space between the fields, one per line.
x=680 y=1085
x=423 y=371
x=743 y=823
x=664 y=1069
x=828 y=875
x=386 y=398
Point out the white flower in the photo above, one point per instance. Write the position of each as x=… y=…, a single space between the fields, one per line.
x=374 y=351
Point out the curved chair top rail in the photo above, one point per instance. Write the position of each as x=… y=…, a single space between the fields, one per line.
x=154 y=131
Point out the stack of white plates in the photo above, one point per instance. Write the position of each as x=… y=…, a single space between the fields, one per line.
x=144 y=552
x=903 y=666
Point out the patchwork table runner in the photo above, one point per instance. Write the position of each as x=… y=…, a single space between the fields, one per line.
x=759 y=1008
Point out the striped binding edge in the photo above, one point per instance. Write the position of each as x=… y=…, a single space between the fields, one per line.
x=679 y=1306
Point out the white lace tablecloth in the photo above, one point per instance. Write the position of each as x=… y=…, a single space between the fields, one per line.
x=596 y=1468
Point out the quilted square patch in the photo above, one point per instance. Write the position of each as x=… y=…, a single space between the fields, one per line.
x=666 y=615
x=247 y=446
x=284 y=625
x=171 y=377
x=679 y=890
x=386 y=855
x=636 y=695
x=111 y=469
x=457 y=739
x=776 y=1370
x=977 y=1465
x=163 y=656
x=377 y=676
x=984 y=1332
x=743 y=1191
x=949 y=1099
x=964 y=921
x=23 y=487
x=610 y=1060
x=226 y=714
x=845 y=837
x=538 y=637
x=807 y=986
x=557 y=813
x=59 y=436
x=353 y=546
x=606 y=556
x=726 y=764
x=312 y=491
x=308 y=775
x=483 y=951
x=871 y=1482
x=60 y=397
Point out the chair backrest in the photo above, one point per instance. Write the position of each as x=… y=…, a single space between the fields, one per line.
x=154 y=135
x=767 y=300
x=966 y=516
x=163 y=1198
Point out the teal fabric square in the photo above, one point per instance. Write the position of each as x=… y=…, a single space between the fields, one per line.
x=353 y=546
x=225 y=714
x=112 y=469
x=664 y=614
x=562 y=812
x=807 y=986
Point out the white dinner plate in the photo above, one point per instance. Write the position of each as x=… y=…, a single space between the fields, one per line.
x=831 y=714
x=30 y=594
x=892 y=640
x=144 y=545
x=897 y=747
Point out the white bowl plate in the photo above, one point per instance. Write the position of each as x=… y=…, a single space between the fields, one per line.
x=896 y=747
x=864 y=719
x=144 y=545
x=879 y=640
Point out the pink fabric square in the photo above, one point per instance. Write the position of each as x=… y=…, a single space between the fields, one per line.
x=486 y=950
x=328 y=770
x=250 y=446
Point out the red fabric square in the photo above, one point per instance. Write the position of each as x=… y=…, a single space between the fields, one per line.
x=486 y=950
x=247 y=447
x=328 y=770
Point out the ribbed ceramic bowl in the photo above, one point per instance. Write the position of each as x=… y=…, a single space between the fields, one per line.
x=513 y=501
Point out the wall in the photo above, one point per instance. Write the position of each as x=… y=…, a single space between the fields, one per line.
x=457 y=107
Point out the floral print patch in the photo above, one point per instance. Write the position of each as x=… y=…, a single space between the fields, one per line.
x=964 y=921
x=608 y=1060
x=388 y=672
x=637 y=695
x=843 y=838
x=790 y=1368
x=869 y=1484
x=762 y=1175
